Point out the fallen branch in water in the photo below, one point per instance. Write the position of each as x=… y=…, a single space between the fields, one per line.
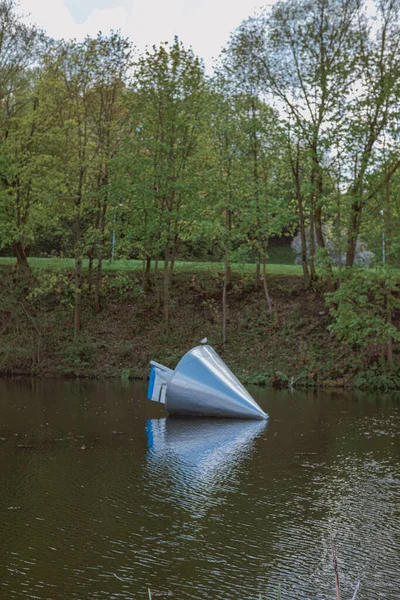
x=356 y=590
x=335 y=567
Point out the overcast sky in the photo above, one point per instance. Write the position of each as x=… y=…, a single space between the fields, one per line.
x=203 y=24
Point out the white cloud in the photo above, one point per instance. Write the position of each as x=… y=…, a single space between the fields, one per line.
x=56 y=19
x=52 y=15
x=205 y=25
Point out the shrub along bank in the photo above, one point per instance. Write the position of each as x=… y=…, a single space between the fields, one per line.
x=340 y=339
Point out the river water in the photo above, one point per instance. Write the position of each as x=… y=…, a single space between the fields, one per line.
x=103 y=497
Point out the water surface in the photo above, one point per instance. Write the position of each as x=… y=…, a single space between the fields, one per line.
x=103 y=497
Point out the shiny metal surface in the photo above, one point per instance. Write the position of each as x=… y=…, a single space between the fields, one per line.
x=203 y=385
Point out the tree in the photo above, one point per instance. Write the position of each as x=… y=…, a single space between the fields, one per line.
x=225 y=176
x=84 y=86
x=305 y=54
x=167 y=111
x=19 y=125
x=111 y=59
x=375 y=108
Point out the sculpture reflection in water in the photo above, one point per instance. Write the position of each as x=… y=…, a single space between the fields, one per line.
x=195 y=460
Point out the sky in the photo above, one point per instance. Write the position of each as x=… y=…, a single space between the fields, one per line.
x=203 y=24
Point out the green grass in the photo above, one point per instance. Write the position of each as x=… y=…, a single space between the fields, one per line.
x=67 y=264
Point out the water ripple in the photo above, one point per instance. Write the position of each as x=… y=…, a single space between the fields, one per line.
x=102 y=498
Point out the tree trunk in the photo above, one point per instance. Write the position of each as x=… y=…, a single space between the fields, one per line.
x=172 y=258
x=354 y=228
x=319 y=234
x=158 y=299
x=90 y=270
x=313 y=195
x=224 y=290
x=390 y=339
x=265 y=285
x=97 y=283
x=166 y=287
x=258 y=271
x=302 y=225
x=228 y=227
x=146 y=273
x=78 y=296
x=318 y=228
x=312 y=248
x=78 y=256
x=387 y=239
x=78 y=275
x=20 y=254
x=100 y=244
x=303 y=241
x=143 y=273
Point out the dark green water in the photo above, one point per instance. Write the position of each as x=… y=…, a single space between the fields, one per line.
x=101 y=497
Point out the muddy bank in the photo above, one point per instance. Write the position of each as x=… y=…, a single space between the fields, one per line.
x=293 y=347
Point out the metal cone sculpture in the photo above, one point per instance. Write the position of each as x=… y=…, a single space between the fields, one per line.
x=203 y=385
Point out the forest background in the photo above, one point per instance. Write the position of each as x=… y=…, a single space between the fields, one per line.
x=117 y=165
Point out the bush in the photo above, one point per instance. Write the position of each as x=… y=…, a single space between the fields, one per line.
x=362 y=310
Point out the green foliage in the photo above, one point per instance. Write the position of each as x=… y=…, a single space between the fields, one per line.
x=362 y=310
x=78 y=354
x=50 y=285
x=127 y=375
x=377 y=377
x=149 y=160
x=125 y=284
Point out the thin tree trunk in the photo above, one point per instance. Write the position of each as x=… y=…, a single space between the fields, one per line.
x=227 y=274
x=224 y=290
x=321 y=244
x=158 y=299
x=302 y=225
x=256 y=180
x=166 y=287
x=258 y=271
x=78 y=277
x=78 y=296
x=339 y=236
x=319 y=234
x=90 y=270
x=312 y=224
x=387 y=217
x=228 y=228
x=97 y=287
x=388 y=257
x=143 y=273
x=312 y=248
x=303 y=241
x=78 y=256
x=173 y=258
x=265 y=285
x=390 y=339
x=97 y=284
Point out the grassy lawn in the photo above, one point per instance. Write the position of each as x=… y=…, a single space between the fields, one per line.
x=67 y=264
